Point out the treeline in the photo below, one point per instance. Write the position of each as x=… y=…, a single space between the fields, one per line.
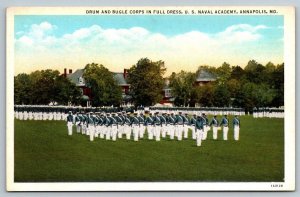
x=256 y=85
x=45 y=87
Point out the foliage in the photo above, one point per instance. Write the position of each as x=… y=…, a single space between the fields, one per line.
x=181 y=85
x=146 y=82
x=44 y=87
x=104 y=88
x=254 y=86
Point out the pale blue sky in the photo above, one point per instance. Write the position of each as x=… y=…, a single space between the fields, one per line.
x=166 y=24
x=182 y=41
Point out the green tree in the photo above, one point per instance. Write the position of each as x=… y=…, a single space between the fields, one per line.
x=104 y=88
x=205 y=95
x=146 y=82
x=22 y=89
x=43 y=89
x=66 y=92
x=238 y=73
x=221 y=96
x=224 y=72
x=182 y=85
x=255 y=72
x=278 y=85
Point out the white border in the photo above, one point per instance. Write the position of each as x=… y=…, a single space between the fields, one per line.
x=289 y=149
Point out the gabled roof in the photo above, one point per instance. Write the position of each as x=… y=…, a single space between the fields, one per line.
x=204 y=75
x=75 y=76
x=119 y=77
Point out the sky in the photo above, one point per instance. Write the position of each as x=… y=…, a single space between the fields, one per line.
x=183 y=42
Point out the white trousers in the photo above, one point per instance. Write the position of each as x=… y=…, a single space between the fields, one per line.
x=225 y=133
x=193 y=132
x=70 y=127
x=157 y=132
x=114 y=131
x=97 y=130
x=25 y=116
x=172 y=129
x=236 y=133
x=150 y=131
x=128 y=132
x=91 y=131
x=142 y=131
x=215 y=132
x=21 y=115
x=120 y=131
x=199 y=133
x=179 y=132
x=107 y=132
x=102 y=131
x=83 y=129
x=136 y=130
x=186 y=131
x=205 y=130
x=164 y=130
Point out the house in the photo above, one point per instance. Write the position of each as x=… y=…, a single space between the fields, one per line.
x=204 y=77
x=77 y=78
x=79 y=81
x=167 y=96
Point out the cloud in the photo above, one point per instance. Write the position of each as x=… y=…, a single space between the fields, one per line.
x=117 y=48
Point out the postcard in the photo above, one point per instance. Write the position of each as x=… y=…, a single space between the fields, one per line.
x=150 y=98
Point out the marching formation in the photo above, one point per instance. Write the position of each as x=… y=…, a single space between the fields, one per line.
x=153 y=126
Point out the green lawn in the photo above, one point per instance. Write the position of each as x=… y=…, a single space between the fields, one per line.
x=45 y=153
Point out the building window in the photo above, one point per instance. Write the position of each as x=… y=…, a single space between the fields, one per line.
x=80 y=81
x=168 y=93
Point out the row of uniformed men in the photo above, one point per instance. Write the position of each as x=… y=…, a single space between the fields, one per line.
x=45 y=112
x=111 y=126
x=207 y=110
x=40 y=115
x=268 y=112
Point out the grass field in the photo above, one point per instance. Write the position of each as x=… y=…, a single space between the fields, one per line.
x=45 y=153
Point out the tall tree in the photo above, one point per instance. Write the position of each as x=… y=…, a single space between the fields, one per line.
x=66 y=92
x=255 y=72
x=224 y=72
x=146 y=82
x=221 y=96
x=205 y=95
x=278 y=84
x=43 y=89
x=22 y=89
x=182 y=87
x=104 y=88
x=237 y=73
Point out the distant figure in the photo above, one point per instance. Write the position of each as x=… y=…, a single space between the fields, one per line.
x=236 y=128
x=199 y=130
x=70 y=123
x=225 y=123
x=215 y=123
x=193 y=126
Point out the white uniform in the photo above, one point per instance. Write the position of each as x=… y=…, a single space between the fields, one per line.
x=179 y=128
x=199 y=133
x=214 y=123
x=225 y=128
x=70 y=124
x=236 y=129
x=114 y=128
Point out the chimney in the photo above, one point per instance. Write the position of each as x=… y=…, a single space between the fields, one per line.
x=70 y=71
x=125 y=73
x=65 y=72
